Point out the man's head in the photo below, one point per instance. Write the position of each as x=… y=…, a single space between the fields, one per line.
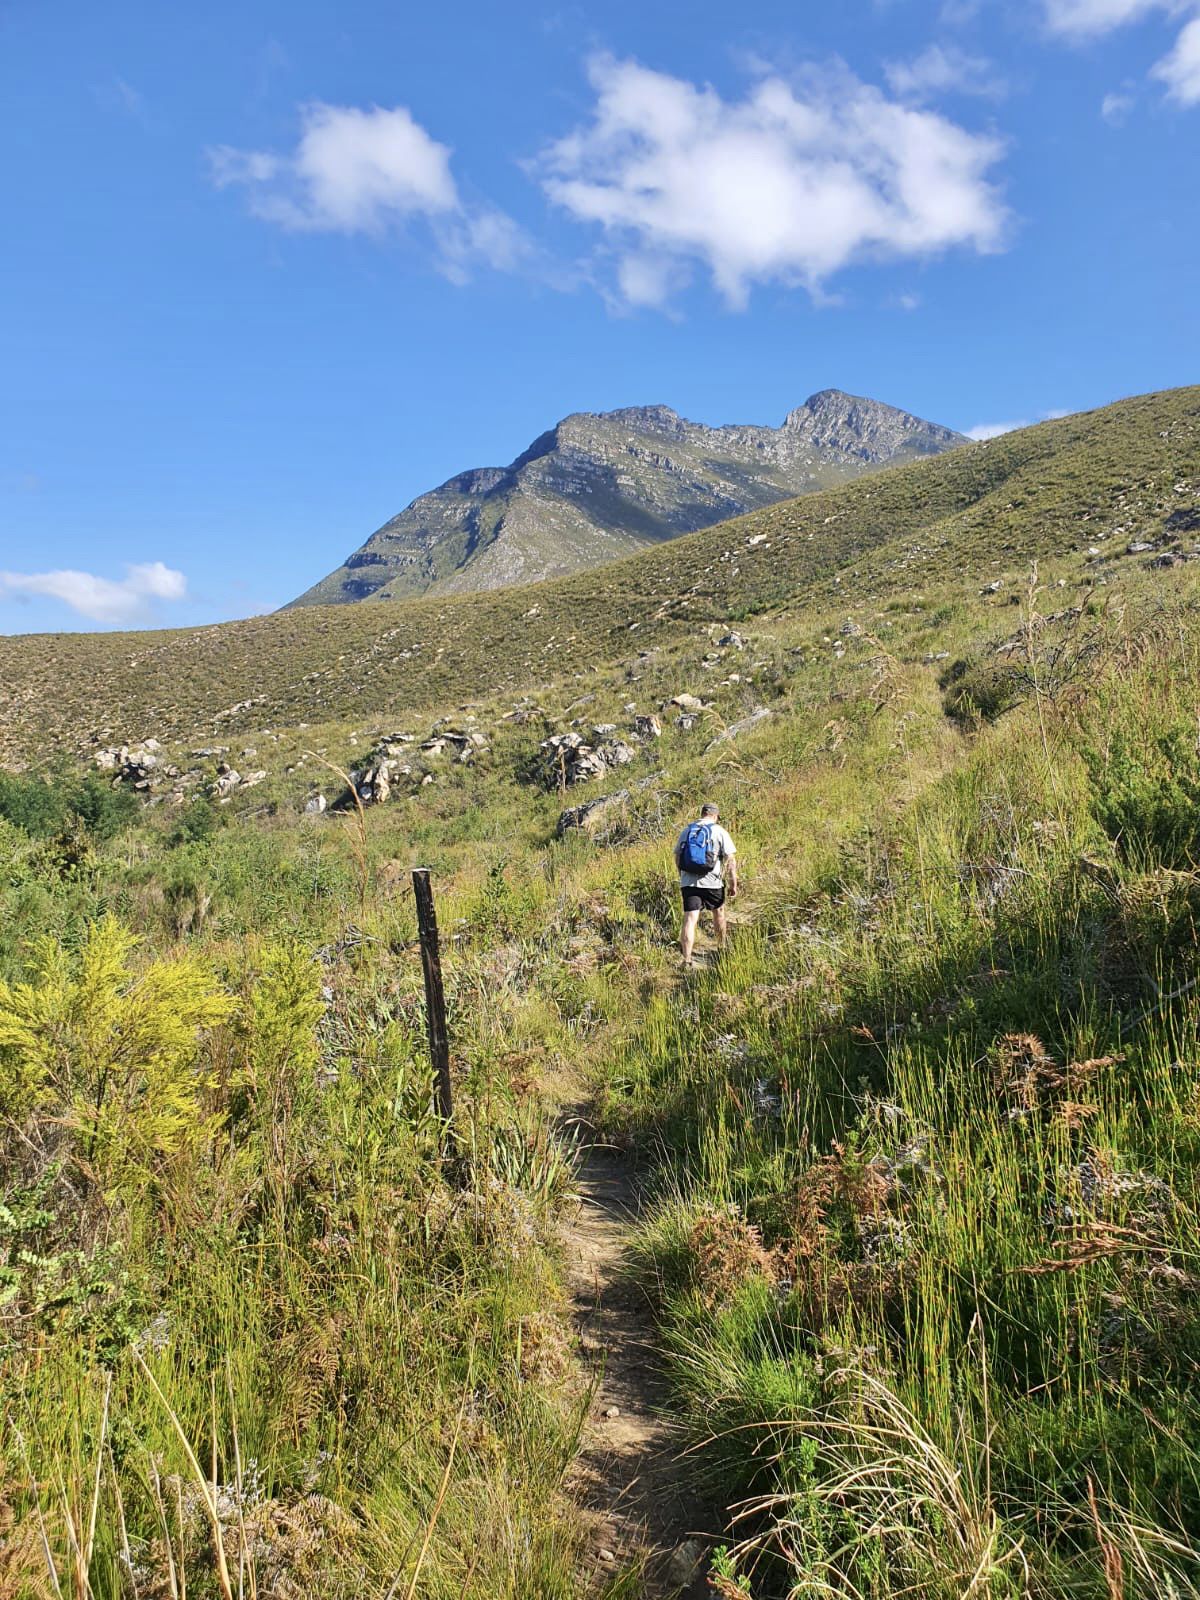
x=708 y=812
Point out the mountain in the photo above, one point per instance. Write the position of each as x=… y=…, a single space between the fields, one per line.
x=1085 y=495
x=600 y=486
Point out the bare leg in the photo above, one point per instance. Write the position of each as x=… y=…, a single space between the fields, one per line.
x=721 y=926
x=687 y=937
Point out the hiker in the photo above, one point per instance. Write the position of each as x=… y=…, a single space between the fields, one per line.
x=701 y=853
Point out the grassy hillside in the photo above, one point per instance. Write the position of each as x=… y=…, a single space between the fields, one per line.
x=975 y=515
x=921 y=1147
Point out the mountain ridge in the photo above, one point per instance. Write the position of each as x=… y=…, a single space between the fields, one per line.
x=598 y=485
x=1095 y=493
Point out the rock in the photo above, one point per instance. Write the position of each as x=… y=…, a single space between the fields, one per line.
x=315 y=805
x=227 y=782
x=606 y=1556
x=731 y=641
x=602 y=730
x=591 y=814
x=991 y=588
x=647 y=727
x=850 y=630
x=686 y=702
x=685 y=1561
x=611 y=1411
x=1169 y=558
x=252 y=778
x=567 y=758
x=1139 y=547
x=744 y=726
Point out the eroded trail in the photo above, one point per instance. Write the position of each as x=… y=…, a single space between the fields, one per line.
x=629 y=1474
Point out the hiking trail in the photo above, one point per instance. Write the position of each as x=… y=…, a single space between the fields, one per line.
x=627 y=1475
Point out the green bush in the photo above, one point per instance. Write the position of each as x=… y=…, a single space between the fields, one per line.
x=1146 y=793
x=978 y=690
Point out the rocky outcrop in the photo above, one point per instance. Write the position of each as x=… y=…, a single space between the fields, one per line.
x=597 y=486
x=745 y=725
x=402 y=762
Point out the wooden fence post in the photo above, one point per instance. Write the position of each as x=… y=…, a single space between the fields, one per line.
x=435 y=1006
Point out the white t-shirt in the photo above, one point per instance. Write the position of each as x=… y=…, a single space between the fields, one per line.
x=715 y=876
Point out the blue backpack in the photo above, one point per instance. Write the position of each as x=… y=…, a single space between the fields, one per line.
x=698 y=853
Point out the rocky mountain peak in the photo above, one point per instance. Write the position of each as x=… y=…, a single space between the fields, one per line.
x=602 y=484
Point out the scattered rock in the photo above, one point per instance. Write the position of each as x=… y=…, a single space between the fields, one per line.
x=740 y=727
x=732 y=641
x=131 y=764
x=991 y=588
x=1139 y=547
x=567 y=758
x=686 y=702
x=591 y=814
x=315 y=805
x=647 y=727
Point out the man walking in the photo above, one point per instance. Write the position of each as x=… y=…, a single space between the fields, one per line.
x=702 y=852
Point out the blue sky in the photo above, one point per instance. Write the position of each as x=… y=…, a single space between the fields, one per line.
x=269 y=270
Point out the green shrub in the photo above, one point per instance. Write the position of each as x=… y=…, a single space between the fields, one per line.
x=978 y=690
x=1146 y=793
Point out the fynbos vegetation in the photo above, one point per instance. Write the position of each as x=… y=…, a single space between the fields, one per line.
x=918 y=1151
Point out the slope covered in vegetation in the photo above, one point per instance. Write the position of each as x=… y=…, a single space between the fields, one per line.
x=979 y=513
x=921 y=1146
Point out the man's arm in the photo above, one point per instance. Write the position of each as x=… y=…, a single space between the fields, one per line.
x=731 y=858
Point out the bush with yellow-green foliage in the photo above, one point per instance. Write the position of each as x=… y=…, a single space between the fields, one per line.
x=109 y=1056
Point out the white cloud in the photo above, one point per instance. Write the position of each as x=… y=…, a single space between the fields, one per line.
x=102 y=599
x=353 y=171
x=943 y=69
x=1090 y=17
x=1180 y=70
x=1115 y=108
x=357 y=170
x=788 y=186
x=993 y=430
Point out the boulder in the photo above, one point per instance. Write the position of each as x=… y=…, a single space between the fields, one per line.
x=743 y=726
x=591 y=814
x=568 y=759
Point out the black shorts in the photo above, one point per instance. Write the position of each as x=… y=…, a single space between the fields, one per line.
x=703 y=899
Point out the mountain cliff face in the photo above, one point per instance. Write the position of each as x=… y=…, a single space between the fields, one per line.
x=599 y=486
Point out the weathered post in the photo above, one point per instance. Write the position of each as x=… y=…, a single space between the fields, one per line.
x=435 y=1006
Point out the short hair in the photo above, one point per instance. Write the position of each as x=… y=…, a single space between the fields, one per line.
x=708 y=809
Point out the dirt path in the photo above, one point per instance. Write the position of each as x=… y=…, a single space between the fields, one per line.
x=629 y=1475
